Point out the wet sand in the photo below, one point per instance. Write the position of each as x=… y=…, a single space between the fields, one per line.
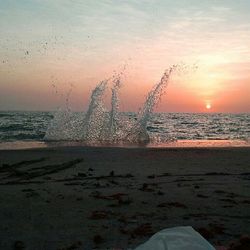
x=99 y=198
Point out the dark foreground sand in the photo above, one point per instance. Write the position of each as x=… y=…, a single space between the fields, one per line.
x=86 y=198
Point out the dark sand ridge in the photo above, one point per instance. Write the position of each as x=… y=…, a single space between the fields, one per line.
x=90 y=197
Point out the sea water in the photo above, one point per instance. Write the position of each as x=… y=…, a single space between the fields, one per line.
x=32 y=126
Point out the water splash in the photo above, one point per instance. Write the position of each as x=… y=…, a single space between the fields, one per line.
x=114 y=113
x=95 y=116
x=99 y=125
x=139 y=132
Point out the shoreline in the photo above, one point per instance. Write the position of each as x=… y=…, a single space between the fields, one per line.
x=19 y=145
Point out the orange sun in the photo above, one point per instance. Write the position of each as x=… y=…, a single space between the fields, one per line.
x=208 y=106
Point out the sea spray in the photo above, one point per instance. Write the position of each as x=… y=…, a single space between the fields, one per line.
x=99 y=125
x=95 y=116
x=114 y=117
x=59 y=129
x=61 y=125
x=139 y=131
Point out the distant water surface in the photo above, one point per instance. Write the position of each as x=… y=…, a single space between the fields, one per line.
x=31 y=126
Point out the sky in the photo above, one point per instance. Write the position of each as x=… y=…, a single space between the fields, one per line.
x=51 y=49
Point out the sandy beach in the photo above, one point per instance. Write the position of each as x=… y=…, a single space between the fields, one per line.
x=116 y=198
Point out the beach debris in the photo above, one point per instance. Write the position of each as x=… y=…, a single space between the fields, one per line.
x=135 y=218
x=229 y=201
x=121 y=198
x=74 y=246
x=97 y=184
x=114 y=182
x=160 y=192
x=124 y=231
x=27 y=190
x=32 y=194
x=76 y=183
x=202 y=196
x=60 y=196
x=246 y=202
x=142 y=230
x=98 y=215
x=19 y=245
x=144 y=214
x=164 y=175
x=122 y=201
x=145 y=188
x=116 y=196
x=220 y=248
x=151 y=176
x=125 y=201
x=220 y=192
x=227 y=206
x=107 y=177
x=81 y=174
x=242 y=244
x=123 y=219
x=129 y=175
x=211 y=231
x=246 y=173
x=47 y=178
x=232 y=195
x=217 y=228
x=217 y=173
x=98 y=239
x=172 y=204
x=206 y=233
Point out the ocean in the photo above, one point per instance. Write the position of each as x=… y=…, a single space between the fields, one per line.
x=32 y=126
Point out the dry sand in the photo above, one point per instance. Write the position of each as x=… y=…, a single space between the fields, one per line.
x=105 y=198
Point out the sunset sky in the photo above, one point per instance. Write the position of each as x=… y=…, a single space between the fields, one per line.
x=49 y=47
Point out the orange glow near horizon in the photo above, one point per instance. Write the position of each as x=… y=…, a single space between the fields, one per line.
x=217 y=82
x=210 y=89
